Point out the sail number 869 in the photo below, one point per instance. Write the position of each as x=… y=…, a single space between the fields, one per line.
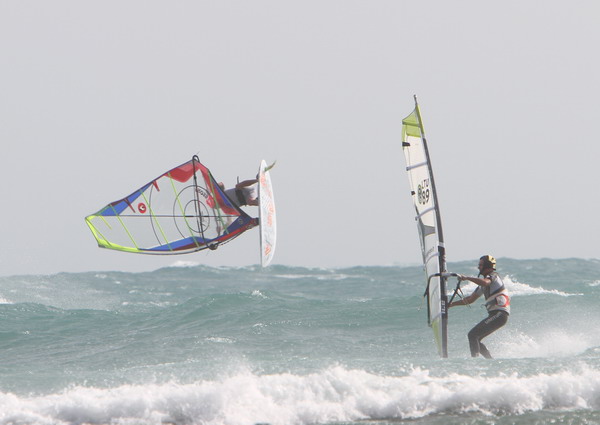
x=424 y=192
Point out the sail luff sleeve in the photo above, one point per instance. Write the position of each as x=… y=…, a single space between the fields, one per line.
x=182 y=209
x=210 y=183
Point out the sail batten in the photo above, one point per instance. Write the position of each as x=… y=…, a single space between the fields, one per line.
x=422 y=164
x=423 y=192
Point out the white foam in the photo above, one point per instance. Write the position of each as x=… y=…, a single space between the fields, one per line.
x=219 y=339
x=184 y=264
x=551 y=343
x=516 y=288
x=257 y=294
x=332 y=276
x=333 y=395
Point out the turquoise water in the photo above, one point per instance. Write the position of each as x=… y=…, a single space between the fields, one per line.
x=293 y=345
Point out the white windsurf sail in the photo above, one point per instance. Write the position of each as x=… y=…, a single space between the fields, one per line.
x=420 y=176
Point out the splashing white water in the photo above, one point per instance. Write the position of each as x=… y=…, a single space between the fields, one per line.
x=516 y=288
x=185 y=264
x=335 y=394
x=551 y=343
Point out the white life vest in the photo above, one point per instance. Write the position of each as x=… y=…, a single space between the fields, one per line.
x=496 y=295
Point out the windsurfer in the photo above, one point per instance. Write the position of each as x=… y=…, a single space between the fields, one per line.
x=244 y=193
x=497 y=302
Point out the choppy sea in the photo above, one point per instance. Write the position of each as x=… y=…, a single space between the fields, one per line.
x=191 y=344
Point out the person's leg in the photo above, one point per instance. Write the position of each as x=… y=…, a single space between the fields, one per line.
x=488 y=325
x=474 y=338
x=484 y=351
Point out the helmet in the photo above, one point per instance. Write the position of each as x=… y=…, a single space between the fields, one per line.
x=488 y=261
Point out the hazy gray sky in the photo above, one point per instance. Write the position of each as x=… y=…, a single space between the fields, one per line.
x=97 y=98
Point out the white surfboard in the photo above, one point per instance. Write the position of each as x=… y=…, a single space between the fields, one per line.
x=267 y=216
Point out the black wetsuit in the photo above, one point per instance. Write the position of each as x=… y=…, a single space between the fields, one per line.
x=498 y=305
x=492 y=323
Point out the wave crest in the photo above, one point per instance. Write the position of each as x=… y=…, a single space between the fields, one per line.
x=334 y=394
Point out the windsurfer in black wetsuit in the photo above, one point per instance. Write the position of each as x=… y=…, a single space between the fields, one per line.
x=244 y=193
x=497 y=302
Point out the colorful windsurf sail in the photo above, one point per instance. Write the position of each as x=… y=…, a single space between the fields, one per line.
x=422 y=185
x=183 y=210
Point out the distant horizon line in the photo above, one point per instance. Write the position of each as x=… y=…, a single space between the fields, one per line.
x=182 y=264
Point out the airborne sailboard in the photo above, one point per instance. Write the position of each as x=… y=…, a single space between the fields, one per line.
x=267 y=215
x=429 y=224
x=181 y=211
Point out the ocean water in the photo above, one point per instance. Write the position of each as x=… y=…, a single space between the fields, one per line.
x=294 y=346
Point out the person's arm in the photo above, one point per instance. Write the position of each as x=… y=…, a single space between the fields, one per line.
x=245 y=183
x=476 y=280
x=465 y=301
